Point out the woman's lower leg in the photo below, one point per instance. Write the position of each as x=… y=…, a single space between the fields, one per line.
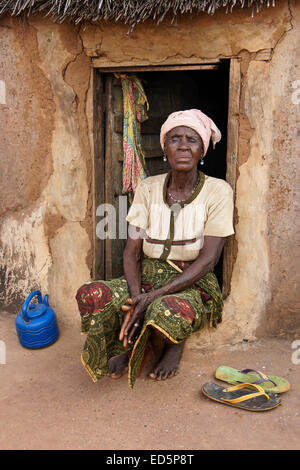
x=169 y=356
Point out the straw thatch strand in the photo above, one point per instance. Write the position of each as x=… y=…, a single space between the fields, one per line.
x=126 y=11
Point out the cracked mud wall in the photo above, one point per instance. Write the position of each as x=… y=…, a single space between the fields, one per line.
x=47 y=239
x=283 y=309
x=45 y=161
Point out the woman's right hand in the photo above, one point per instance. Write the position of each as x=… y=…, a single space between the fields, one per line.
x=135 y=309
x=128 y=308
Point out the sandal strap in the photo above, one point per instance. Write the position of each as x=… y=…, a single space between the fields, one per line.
x=263 y=377
x=246 y=397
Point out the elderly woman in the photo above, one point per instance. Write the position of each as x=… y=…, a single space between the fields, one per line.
x=178 y=223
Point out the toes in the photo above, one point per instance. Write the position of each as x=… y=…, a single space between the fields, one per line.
x=115 y=376
x=172 y=374
x=117 y=366
x=162 y=374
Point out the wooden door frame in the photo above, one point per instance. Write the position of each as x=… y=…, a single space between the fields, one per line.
x=101 y=196
x=98 y=116
x=230 y=248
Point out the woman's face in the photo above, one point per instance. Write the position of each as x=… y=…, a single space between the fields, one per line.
x=184 y=148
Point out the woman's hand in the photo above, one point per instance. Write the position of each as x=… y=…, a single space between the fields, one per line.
x=135 y=309
x=128 y=308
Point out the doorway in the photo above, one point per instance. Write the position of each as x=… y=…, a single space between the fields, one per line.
x=170 y=89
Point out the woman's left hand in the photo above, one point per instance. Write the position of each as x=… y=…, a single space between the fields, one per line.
x=134 y=317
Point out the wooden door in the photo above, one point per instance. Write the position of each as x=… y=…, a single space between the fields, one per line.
x=116 y=202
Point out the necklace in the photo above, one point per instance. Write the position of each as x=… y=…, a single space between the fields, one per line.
x=182 y=200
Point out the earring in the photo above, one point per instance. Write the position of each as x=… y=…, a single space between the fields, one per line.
x=201 y=162
x=165 y=159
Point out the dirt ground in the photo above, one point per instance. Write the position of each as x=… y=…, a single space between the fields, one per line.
x=47 y=401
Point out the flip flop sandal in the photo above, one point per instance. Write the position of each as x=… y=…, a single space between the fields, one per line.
x=269 y=383
x=240 y=398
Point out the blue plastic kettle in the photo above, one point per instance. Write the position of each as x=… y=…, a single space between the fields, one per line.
x=36 y=323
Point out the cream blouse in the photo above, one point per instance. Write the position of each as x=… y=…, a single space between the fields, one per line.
x=175 y=232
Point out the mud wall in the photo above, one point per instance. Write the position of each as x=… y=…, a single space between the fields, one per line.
x=45 y=164
x=46 y=230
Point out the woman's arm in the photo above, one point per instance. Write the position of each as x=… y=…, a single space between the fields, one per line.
x=132 y=266
x=132 y=260
x=204 y=263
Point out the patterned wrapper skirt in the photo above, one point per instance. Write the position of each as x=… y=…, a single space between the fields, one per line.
x=177 y=316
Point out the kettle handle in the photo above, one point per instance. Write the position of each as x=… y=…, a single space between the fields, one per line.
x=28 y=300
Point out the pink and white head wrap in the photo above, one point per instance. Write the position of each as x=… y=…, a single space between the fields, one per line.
x=196 y=120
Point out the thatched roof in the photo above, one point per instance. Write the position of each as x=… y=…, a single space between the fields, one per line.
x=126 y=11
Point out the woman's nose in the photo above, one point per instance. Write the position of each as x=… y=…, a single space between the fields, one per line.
x=183 y=144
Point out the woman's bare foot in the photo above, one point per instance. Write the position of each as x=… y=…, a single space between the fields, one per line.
x=118 y=365
x=168 y=365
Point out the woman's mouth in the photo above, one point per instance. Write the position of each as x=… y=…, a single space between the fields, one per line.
x=183 y=158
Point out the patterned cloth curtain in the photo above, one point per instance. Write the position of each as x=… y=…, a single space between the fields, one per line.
x=135 y=106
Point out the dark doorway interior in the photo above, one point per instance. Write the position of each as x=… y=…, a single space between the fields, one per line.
x=167 y=92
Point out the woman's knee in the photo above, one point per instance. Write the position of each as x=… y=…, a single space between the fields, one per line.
x=180 y=306
x=92 y=297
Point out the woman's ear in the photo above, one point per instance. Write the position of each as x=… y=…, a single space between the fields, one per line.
x=202 y=149
x=165 y=157
x=164 y=149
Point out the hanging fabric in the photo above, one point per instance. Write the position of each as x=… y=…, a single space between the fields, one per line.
x=135 y=107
